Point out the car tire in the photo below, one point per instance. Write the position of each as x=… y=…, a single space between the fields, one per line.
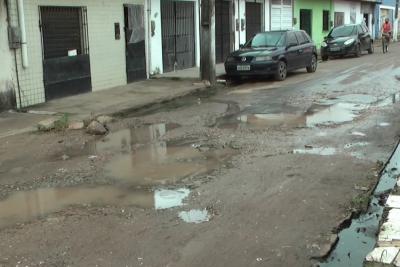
x=324 y=58
x=281 y=71
x=358 y=50
x=313 y=66
x=371 y=48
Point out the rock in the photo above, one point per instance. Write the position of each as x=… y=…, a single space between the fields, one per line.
x=76 y=125
x=65 y=157
x=96 y=128
x=47 y=125
x=104 y=119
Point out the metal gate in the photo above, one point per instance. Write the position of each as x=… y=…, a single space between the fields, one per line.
x=253 y=19
x=178 y=39
x=306 y=21
x=66 y=62
x=135 y=43
x=223 y=26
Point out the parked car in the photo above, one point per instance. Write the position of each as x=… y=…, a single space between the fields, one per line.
x=274 y=52
x=347 y=40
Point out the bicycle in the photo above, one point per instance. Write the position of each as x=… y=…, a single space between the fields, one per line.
x=385 y=42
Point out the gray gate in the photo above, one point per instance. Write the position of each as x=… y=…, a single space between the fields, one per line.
x=253 y=19
x=135 y=43
x=178 y=39
x=223 y=30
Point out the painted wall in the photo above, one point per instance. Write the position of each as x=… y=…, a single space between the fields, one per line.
x=317 y=8
x=347 y=7
x=102 y=15
x=7 y=94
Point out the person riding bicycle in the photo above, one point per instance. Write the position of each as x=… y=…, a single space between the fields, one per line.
x=386 y=29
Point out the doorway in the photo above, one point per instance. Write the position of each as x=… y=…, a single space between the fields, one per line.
x=178 y=34
x=135 y=46
x=305 y=21
x=223 y=30
x=253 y=19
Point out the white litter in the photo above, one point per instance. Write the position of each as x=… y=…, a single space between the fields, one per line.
x=358 y=134
x=393 y=201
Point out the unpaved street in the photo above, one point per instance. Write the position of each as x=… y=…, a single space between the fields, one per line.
x=257 y=173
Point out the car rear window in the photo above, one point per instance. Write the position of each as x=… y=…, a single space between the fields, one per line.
x=267 y=39
x=301 y=38
x=343 y=31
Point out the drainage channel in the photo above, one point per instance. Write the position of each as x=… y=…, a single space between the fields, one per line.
x=359 y=238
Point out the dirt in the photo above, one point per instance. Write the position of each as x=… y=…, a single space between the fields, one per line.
x=234 y=178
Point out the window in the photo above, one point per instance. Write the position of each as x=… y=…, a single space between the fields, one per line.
x=308 y=38
x=301 y=38
x=291 y=39
x=64 y=29
x=325 y=20
x=343 y=31
x=360 y=29
x=267 y=39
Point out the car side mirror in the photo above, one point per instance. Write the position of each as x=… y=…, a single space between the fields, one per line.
x=241 y=46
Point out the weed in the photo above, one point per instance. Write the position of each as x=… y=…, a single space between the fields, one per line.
x=62 y=123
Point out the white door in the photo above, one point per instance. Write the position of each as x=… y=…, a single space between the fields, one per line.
x=281 y=15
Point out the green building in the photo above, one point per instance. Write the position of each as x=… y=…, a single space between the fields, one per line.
x=314 y=17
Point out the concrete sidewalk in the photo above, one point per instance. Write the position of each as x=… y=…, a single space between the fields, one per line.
x=111 y=102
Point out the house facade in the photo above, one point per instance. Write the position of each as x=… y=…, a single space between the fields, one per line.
x=314 y=17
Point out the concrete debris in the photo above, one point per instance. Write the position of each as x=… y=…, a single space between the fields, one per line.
x=76 y=125
x=47 y=124
x=389 y=234
x=105 y=119
x=96 y=128
x=386 y=255
x=41 y=112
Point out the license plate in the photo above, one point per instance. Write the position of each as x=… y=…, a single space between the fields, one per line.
x=335 y=48
x=243 y=67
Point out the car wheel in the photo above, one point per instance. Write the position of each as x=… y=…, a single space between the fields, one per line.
x=313 y=66
x=281 y=71
x=324 y=58
x=358 y=50
x=371 y=48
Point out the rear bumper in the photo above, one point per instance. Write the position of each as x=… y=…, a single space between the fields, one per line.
x=256 y=68
x=343 y=51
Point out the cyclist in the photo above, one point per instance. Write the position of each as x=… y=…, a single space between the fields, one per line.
x=386 y=31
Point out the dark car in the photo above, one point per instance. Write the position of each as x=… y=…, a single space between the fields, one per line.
x=274 y=52
x=347 y=40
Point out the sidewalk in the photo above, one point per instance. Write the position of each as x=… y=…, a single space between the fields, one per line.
x=111 y=102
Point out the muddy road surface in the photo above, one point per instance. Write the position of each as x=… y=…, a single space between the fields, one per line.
x=258 y=173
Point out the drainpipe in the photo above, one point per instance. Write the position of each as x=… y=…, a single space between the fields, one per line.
x=21 y=18
x=15 y=57
x=149 y=33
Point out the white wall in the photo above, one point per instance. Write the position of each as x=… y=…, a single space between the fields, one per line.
x=156 y=62
x=6 y=62
x=107 y=55
x=346 y=7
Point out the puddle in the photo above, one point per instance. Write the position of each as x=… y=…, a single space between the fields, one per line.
x=356 y=241
x=357 y=144
x=24 y=206
x=384 y=124
x=327 y=112
x=163 y=163
x=334 y=114
x=350 y=98
x=323 y=151
x=195 y=216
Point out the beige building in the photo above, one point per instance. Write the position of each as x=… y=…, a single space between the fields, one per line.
x=73 y=46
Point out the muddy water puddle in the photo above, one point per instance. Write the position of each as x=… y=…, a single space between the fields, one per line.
x=138 y=161
x=359 y=237
x=326 y=112
x=24 y=206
